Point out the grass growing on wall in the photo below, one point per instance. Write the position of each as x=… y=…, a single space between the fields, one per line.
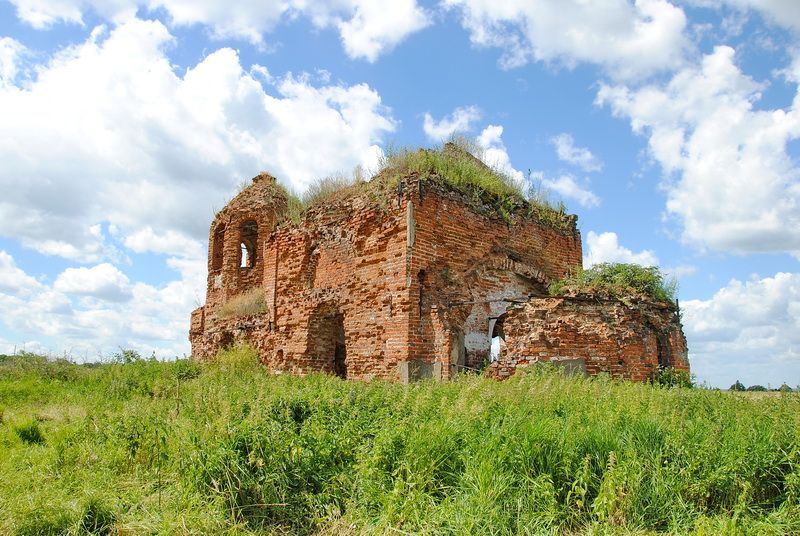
x=456 y=164
x=619 y=280
x=459 y=164
x=248 y=303
x=458 y=168
x=327 y=189
x=224 y=448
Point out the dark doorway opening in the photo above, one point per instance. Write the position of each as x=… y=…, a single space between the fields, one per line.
x=340 y=360
x=340 y=349
x=327 y=343
x=663 y=352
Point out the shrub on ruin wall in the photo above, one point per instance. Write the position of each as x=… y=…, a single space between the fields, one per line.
x=618 y=280
x=294 y=208
x=459 y=165
x=459 y=169
x=249 y=303
x=327 y=189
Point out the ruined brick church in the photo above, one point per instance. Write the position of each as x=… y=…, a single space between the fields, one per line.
x=422 y=280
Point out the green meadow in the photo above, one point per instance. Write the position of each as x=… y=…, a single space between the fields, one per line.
x=146 y=447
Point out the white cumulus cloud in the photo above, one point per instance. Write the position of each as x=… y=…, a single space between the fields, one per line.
x=109 y=132
x=605 y=247
x=628 y=39
x=730 y=180
x=577 y=156
x=103 y=281
x=169 y=242
x=460 y=121
x=367 y=28
x=10 y=52
x=375 y=26
x=13 y=280
x=781 y=12
x=90 y=312
x=568 y=188
x=748 y=331
x=495 y=154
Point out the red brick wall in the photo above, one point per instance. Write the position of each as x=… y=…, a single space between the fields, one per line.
x=475 y=265
x=262 y=203
x=622 y=339
x=414 y=277
x=345 y=263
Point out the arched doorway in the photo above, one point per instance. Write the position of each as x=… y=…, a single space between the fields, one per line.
x=217 y=247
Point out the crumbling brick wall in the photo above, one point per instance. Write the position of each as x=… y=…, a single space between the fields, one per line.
x=631 y=338
x=413 y=282
x=469 y=264
x=336 y=280
x=235 y=264
x=410 y=278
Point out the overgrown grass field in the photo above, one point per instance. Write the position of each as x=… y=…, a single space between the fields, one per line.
x=181 y=448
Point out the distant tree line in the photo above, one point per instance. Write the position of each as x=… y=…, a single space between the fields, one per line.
x=739 y=386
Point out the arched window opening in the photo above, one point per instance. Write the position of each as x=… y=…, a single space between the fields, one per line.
x=249 y=242
x=498 y=337
x=216 y=248
x=245 y=256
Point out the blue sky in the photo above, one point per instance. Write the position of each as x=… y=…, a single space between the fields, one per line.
x=671 y=128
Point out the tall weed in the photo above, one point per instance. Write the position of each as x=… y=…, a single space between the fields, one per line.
x=225 y=447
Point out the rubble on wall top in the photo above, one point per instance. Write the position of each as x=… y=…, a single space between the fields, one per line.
x=264 y=176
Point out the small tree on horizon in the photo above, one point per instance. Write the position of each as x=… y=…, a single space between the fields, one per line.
x=738 y=386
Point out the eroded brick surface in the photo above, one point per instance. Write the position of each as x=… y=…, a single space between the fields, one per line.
x=412 y=284
x=629 y=339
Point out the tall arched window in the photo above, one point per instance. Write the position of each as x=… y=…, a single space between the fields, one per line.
x=249 y=244
x=216 y=247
